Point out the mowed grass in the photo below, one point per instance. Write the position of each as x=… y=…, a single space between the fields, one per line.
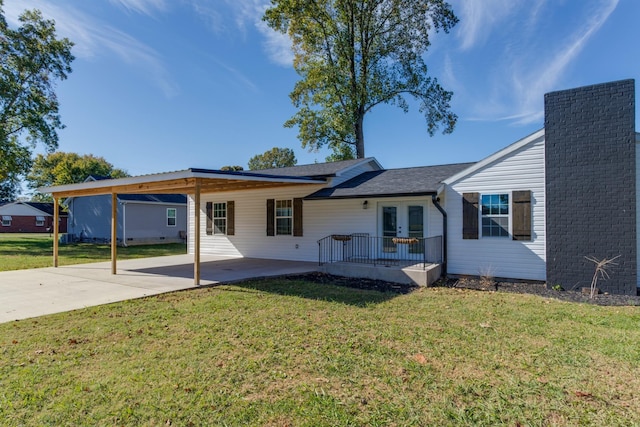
x=291 y=353
x=23 y=251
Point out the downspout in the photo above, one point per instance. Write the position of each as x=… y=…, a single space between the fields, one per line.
x=436 y=202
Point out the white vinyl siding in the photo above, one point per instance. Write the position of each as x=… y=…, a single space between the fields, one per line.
x=321 y=218
x=522 y=169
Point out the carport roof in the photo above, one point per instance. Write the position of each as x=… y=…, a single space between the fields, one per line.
x=180 y=182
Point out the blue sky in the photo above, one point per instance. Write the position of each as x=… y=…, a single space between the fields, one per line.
x=164 y=85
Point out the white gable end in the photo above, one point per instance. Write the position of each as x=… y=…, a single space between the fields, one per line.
x=516 y=168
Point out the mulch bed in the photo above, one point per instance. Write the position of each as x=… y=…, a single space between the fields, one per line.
x=520 y=287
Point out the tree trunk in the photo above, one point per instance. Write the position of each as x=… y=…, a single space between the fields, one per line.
x=360 y=135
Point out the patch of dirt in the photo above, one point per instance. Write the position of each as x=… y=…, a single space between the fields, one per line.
x=358 y=283
x=478 y=284
x=540 y=289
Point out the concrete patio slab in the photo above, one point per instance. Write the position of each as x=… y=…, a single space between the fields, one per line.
x=36 y=292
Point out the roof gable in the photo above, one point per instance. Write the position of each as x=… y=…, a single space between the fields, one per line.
x=530 y=139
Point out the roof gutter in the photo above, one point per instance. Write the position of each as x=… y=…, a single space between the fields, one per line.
x=436 y=202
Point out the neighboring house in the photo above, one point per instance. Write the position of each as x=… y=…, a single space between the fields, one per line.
x=30 y=217
x=142 y=218
x=534 y=210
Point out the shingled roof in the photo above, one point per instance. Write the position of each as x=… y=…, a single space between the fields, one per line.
x=314 y=170
x=416 y=181
x=45 y=207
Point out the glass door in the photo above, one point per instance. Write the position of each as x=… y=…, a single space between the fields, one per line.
x=402 y=224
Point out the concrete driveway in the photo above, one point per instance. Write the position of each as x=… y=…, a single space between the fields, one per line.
x=32 y=293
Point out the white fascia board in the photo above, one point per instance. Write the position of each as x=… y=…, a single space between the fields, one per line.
x=495 y=156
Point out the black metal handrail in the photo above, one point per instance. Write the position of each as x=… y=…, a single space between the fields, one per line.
x=393 y=251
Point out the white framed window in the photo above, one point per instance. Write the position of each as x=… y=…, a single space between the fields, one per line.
x=6 y=220
x=495 y=215
x=284 y=217
x=172 y=214
x=220 y=218
x=39 y=221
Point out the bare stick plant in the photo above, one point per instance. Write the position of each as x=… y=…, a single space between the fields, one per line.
x=602 y=268
x=487 y=276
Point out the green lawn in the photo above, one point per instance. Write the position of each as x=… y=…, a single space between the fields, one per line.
x=23 y=251
x=292 y=353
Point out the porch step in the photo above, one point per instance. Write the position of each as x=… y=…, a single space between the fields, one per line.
x=412 y=275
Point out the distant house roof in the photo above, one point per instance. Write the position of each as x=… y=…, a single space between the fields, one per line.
x=314 y=170
x=46 y=208
x=392 y=183
x=154 y=198
x=96 y=178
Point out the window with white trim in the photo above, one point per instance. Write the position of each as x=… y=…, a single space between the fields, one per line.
x=172 y=214
x=6 y=220
x=495 y=215
x=220 y=218
x=284 y=217
x=39 y=221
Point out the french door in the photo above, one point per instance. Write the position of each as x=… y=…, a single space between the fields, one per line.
x=402 y=224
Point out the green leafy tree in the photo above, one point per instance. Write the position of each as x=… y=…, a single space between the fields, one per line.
x=9 y=189
x=232 y=168
x=355 y=54
x=32 y=59
x=274 y=158
x=67 y=168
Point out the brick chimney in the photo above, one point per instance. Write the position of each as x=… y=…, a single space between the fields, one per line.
x=590 y=174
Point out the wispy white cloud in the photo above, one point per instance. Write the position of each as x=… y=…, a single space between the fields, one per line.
x=93 y=39
x=545 y=76
x=246 y=15
x=479 y=18
x=145 y=7
x=526 y=68
x=277 y=45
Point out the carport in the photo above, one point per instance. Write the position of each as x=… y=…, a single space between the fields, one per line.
x=193 y=182
x=41 y=291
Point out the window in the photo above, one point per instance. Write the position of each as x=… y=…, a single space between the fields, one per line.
x=219 y=218
x=6 y=220
x=495 y=215
x=284 y=217
x=39 y=221
x=171 y=217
